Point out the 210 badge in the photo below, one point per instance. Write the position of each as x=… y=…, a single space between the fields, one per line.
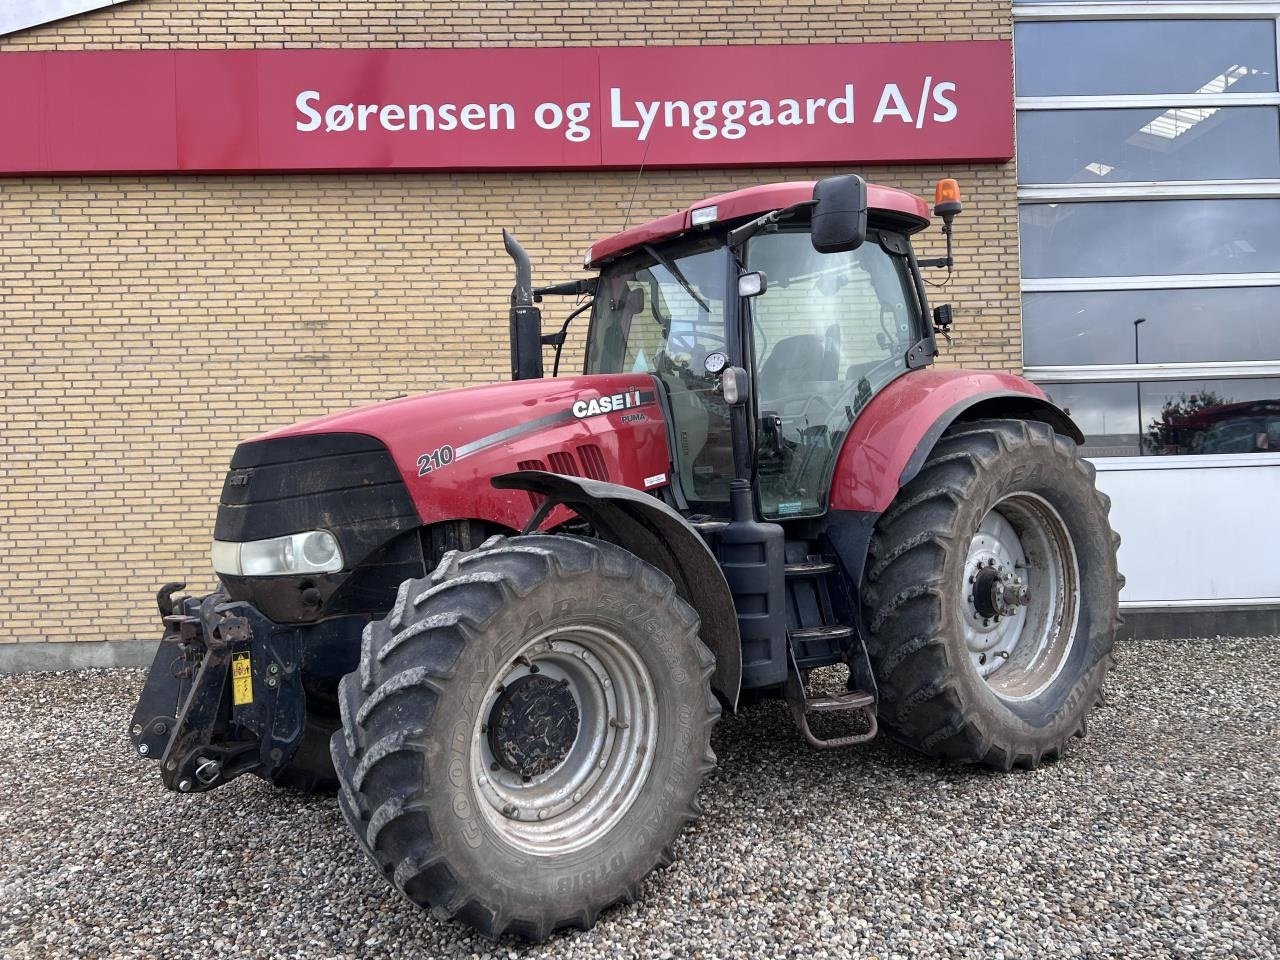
x=440 y=457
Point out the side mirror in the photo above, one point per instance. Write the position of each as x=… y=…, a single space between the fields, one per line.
x=839 y=214
x=752 y=284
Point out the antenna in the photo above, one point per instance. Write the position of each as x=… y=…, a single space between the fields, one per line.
x=626 y=219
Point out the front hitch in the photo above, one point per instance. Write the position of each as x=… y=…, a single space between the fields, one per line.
x=223 y=697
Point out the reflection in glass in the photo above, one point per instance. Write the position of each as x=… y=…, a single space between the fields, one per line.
x=1107 y=413
x=1211 y=416
x=1156 y=237
x=1183 y=326
x=1174 y=418
x=1113 y=146
x=1099 y=57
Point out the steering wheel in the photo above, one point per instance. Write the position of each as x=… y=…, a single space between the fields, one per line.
x=691 y=342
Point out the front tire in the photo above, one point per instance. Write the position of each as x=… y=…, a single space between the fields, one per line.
x=991 y=595
x=526 y=733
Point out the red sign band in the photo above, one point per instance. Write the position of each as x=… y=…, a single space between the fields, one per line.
x=504 y=109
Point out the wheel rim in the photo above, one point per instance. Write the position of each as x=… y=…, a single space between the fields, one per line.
x=1021 y=596
x=564 y=740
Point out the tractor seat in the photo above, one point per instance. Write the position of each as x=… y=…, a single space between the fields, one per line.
x=796 y=362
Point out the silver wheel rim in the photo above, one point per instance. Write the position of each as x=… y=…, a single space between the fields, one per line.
x=1021 y=598
x=579 y=798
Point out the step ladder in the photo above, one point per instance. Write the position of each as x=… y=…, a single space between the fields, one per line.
x=814 y=643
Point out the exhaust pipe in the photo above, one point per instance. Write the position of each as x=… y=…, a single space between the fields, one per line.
x=525 y=319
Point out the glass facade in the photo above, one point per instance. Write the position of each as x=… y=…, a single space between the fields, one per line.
x=1149 y=177
x=1081 y=58
x=1151 y=143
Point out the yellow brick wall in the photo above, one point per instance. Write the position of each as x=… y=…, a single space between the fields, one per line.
x=149 y=323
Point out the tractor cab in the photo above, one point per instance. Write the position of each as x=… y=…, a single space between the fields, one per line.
x=732 y=306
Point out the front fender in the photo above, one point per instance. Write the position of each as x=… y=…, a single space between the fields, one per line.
x=662 y=538
x=893 y=434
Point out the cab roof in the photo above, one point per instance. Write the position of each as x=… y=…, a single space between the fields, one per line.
x=750 y=202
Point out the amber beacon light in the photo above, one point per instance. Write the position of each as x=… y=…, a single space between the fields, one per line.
x=946 y=200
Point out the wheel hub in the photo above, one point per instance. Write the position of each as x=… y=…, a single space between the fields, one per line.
x=564 y=739
x=1021 y=596
x=533 y=725
x=998 y=592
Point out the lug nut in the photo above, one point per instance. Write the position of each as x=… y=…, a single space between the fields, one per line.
x=143 y=749
x=137 y=729
x=185 y=786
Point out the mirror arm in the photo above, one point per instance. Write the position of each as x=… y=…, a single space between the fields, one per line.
x=557 y=339
x=571 y=288
x=768 y=222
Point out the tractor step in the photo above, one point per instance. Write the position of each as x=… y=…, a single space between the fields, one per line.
x=830 y=631
x=809 y=568
x=851 y=701
x=819 y=646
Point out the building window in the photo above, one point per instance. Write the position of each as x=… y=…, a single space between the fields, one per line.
x=1149 y=185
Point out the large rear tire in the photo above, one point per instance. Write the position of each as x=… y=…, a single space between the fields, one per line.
x=991 y=597
x=526 y=733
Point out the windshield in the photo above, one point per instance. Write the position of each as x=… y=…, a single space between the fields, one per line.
x=828 y=333
x=664 y=319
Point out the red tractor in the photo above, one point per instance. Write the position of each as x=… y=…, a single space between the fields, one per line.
x=502 y=620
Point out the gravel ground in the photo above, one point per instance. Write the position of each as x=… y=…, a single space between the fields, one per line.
x=1157 y=836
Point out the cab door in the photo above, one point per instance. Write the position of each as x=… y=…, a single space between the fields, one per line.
x=663 y=318
x=829 y=332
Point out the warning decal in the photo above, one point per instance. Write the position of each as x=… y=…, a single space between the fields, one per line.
x=241 y=679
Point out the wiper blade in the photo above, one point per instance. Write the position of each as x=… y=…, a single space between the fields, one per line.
x=680 y=277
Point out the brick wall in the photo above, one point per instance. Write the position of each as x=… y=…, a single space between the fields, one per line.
x=149 y=323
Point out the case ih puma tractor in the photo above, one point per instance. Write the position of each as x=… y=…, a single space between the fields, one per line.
x=502 y=620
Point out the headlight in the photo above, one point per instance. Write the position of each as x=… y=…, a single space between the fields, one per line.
x=314 y=552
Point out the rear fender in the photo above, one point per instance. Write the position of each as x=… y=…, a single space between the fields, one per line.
x=662 y=538
x=893 y=435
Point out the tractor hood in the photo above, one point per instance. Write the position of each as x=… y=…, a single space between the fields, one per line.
x=447 y=445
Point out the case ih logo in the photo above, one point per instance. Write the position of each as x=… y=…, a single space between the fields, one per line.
x=611 y=404
x=503 y=108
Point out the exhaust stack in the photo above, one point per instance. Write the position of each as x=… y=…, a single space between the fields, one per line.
x=525 y=318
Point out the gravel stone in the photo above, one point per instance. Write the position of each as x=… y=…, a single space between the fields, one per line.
x=1157 y=836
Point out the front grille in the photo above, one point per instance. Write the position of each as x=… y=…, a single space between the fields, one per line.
x=345 y=483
